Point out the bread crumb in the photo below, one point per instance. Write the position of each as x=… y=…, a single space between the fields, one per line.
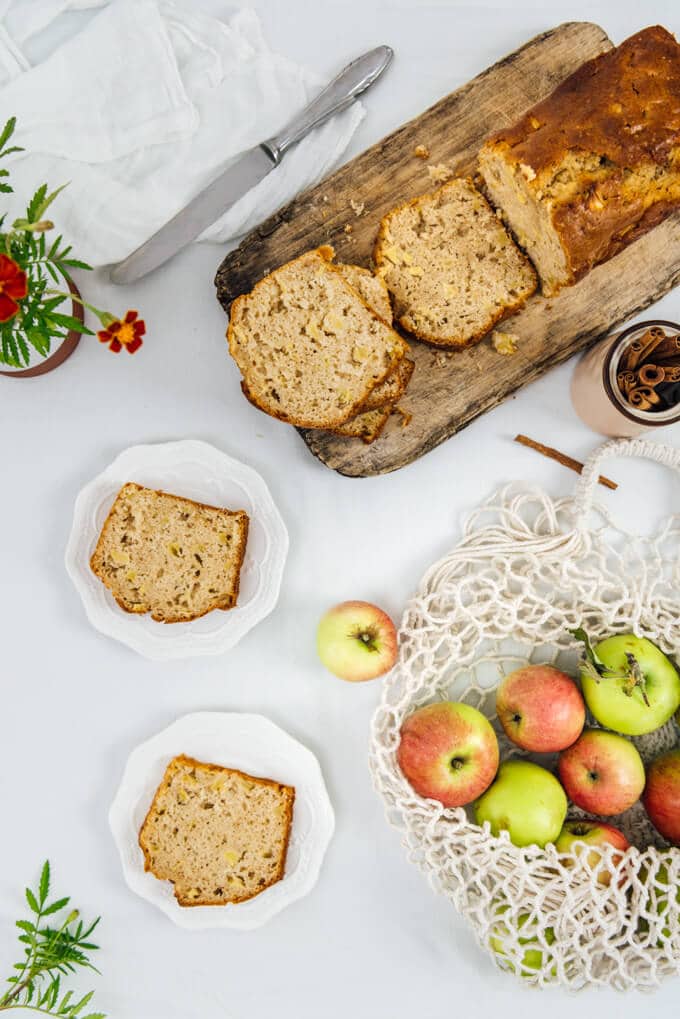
x=357 y=207
x=422 y=152
x=504 y=343
x=406 y=417
x=325 y=198
x=348 y=228
x=440 y=173
x=440 y=359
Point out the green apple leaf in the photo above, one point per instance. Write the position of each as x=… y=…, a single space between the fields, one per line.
x=590 y=663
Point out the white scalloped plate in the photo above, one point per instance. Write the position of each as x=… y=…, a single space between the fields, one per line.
x=198 y=471
x=252 y=744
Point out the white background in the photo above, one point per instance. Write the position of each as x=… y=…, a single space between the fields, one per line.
x=372 y=940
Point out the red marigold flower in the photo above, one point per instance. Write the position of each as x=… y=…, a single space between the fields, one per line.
x=125 y=332
x=13 y=287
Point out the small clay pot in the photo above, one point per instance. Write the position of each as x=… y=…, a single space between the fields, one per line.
x=63 y=351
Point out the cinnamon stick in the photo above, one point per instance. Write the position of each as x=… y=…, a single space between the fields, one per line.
x=641 y=348
x=561 y=458
x=651 y=374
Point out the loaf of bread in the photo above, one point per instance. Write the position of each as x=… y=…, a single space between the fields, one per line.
x=169 y=556
x=451 y=266
x=309 y=348
x=596 y=164
x=217 y=834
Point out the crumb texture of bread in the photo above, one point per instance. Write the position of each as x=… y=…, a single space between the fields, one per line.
x=219 y=835
x=170 y=556
x=371 y=289
x=596 y=164
x=309 y=348
x=451 y=266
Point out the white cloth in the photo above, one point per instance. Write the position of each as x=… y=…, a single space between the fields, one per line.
x=143 y=108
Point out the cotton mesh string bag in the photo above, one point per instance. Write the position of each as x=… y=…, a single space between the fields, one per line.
x=527 y=571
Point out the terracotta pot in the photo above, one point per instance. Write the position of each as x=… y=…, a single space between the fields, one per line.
x=58 y=356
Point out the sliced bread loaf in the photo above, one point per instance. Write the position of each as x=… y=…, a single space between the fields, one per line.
x=169 y=556
x=310 y=350
x=217 y=834
x=451 y=265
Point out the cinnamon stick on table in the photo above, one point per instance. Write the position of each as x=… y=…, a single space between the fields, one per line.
x=562 y=458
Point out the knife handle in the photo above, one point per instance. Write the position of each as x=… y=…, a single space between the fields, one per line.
x=337 y=96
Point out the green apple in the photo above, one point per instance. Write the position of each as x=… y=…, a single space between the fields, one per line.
x=532 y=958
x=629 y=684
x=527 y=801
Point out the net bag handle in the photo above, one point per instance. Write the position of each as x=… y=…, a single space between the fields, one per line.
x=584 y=492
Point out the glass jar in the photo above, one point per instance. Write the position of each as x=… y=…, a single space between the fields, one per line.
x=597 y=396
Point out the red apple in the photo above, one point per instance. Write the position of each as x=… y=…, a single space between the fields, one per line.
x=593 y=833
x=662 y=795
x=540 y=708
x=357 y=641
x=602 y=772
x=448 y=752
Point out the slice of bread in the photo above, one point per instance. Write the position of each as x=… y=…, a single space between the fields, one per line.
x=371 y=288
x=366 y=426
x=393 y=387
x=219 y=835
x=169 y=556
x=451 y=266
x=310 y=350
x=374 y=292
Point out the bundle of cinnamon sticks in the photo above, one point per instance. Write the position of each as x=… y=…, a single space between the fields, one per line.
x=649 y=371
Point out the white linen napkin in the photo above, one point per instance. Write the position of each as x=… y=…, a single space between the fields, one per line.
x=143 y=108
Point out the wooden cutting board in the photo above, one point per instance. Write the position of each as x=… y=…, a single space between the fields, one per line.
x=450 y=389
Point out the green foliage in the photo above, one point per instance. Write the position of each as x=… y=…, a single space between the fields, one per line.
x=37 y=322
x=50 y=953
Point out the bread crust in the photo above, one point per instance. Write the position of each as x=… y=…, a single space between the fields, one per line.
x=622 y=107
x=224 y=605
x=182 y=760
x=327 y=253
x=502 y=313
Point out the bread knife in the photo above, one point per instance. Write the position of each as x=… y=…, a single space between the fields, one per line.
x=250 y=168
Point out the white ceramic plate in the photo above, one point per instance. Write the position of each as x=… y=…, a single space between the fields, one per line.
x=252 y=744
x=197 y=471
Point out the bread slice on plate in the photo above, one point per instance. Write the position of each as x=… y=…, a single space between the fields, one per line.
x=309 y=348
x=218 y=834
x=170 y=556
x=451 y=266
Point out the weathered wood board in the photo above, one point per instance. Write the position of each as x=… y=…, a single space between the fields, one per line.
x=450 y=389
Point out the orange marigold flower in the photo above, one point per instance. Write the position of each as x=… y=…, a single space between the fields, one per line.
x=13 y=287
x=125 y=332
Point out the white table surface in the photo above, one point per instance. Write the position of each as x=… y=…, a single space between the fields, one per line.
x=372 y=940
